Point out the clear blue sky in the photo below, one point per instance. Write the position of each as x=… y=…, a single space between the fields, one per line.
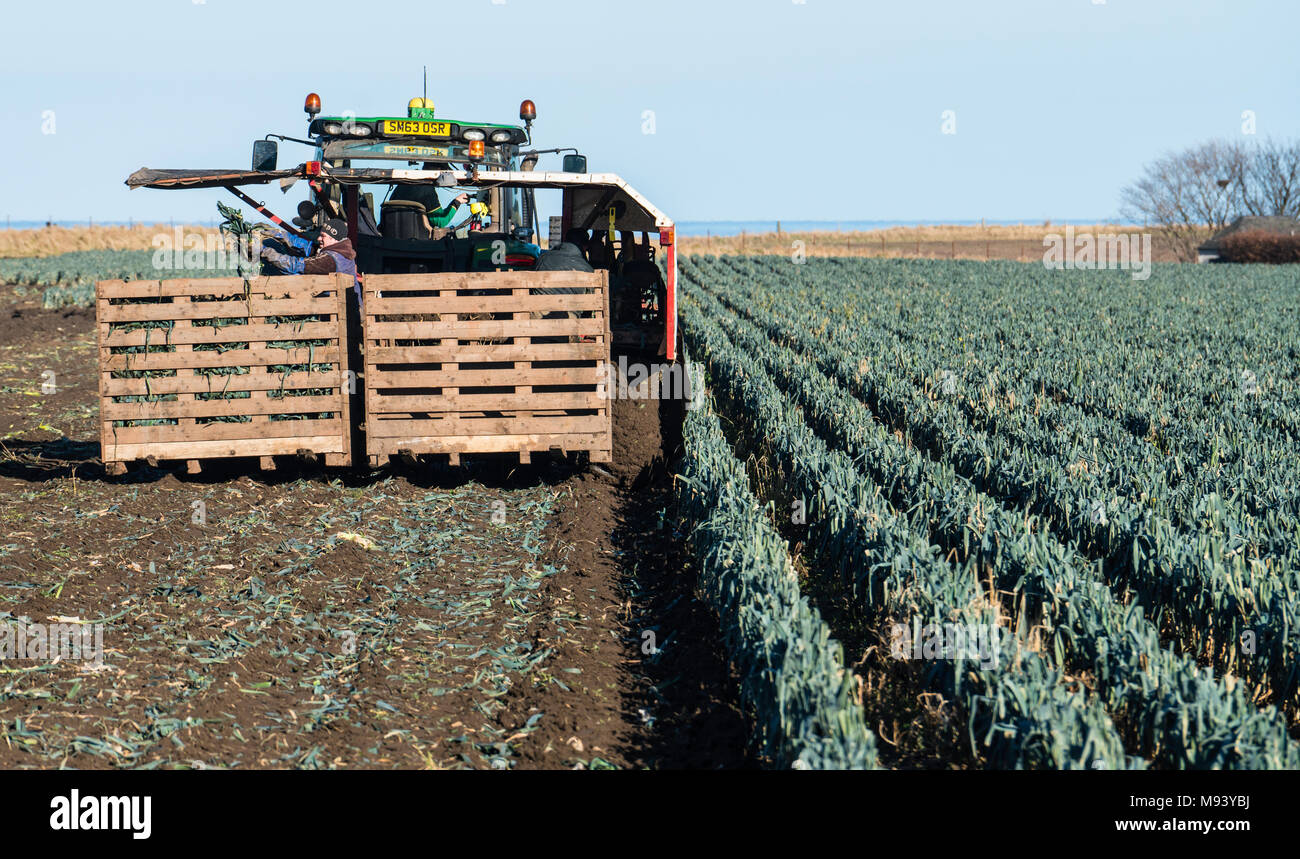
x=766 y=109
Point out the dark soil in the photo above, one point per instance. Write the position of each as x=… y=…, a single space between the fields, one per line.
x=496 y=616
x=674 y=706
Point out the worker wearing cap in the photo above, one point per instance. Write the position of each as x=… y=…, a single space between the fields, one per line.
x=334 y=253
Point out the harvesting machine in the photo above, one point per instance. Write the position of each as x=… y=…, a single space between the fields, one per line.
x=457 y=339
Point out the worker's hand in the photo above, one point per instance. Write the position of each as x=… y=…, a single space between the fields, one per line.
x=461 y=200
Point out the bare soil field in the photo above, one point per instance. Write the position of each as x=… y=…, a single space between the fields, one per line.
x=59 y=240
x=421 y=617
x=1020 y=242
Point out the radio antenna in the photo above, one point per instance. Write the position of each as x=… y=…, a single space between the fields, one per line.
x=425 y=95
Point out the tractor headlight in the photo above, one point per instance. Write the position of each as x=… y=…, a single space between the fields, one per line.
x=333 y=129
x=473 y=134
x=358 y=130
x=501 y=136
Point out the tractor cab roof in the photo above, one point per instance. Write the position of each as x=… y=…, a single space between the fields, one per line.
x=592 y=195
x=486 y=149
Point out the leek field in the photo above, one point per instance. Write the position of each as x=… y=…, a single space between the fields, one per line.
x=1102 y=472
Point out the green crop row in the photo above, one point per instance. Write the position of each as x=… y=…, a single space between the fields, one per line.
x=1210 y=586
x=792 y=674
x=1176 y=713
x=1019 y=710
x=84 y=268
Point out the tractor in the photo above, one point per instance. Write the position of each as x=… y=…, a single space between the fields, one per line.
x=475 y=333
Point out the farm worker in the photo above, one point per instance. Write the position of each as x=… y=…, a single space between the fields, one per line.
x=284 y=246
x=427 y=196
x=443 y=215
x=334 y=253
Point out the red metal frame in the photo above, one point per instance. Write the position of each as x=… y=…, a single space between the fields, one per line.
x=670 y=265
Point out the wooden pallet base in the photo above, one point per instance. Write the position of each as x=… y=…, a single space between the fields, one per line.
x=195 y=466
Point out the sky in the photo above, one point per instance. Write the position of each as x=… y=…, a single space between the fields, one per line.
x=758 y=110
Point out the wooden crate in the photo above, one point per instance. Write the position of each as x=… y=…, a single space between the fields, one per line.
x=483 y=362
x=209 y=368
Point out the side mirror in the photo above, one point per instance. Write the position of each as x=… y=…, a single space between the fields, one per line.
x=575 y=164
x=265 y=154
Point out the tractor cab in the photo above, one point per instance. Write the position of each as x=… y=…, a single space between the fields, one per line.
x=400 y=228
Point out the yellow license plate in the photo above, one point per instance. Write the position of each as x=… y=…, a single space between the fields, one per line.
x=417 y=128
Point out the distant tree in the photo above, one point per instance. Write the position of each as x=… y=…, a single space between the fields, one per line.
x=1272 y=179
x=1192 y=194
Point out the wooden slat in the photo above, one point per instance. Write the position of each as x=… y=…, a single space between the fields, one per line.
x=391 y=306
x=482 y=353
x=484 y=329
x=276 y=287
x=471 y=414
x=486 y=378
x=105 y=426
x=332 y=443
x=395 y=283
x=484 y=443
x=563 y=424
x=223 y=431
x=197 y=334
x=221 y=384
x=450 y=367
x=526 y=367
x=218 y=408
x=231 y=358
x=182 y=327
x=219 y=309
x=378 y=404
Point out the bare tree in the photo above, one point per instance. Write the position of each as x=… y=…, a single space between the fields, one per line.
x=1193 y=194
x=1271 y=184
